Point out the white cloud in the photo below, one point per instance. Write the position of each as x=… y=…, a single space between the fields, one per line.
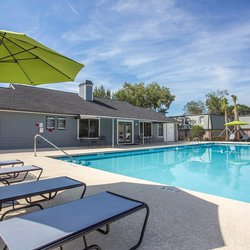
x=160 y=42
x=73 y=9
x=152 y=40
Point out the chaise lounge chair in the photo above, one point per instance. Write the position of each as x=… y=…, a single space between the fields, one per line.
x=47 y=189
x=245 y=137
x=55 y=226
x=9 y=175
x=11 y=162
x=232 y=137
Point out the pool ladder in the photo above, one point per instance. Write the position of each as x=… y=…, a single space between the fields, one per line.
x=52 y=144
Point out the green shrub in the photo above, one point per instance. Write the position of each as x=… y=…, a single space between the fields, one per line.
x=197 y=131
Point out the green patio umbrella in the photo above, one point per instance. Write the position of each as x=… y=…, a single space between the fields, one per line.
x=235 y=123
x=24 y=60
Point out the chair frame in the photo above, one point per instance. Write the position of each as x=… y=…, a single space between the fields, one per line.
x=94 y=227
x=11 y=174
x=46 y=194
x=97 y=227
x=11 y=162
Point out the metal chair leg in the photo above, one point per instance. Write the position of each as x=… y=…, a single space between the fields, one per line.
x=102 y=231
x=143 y=229
x=85 y=241
x=92 y=247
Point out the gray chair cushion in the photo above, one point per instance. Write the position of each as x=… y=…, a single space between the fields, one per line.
x=28 y=189
x=48 y=226
x=21 y=169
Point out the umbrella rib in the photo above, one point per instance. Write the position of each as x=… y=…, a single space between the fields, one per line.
x=27 y=50
x=50 y=50
x=47 y=49
x=17 y=62
x=2 y=38
x=41 y=59
x=23 y=59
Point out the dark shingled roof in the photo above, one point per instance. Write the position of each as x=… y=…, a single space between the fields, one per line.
x=33 y=99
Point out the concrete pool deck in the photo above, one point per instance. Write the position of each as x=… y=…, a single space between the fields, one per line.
x=179 y=219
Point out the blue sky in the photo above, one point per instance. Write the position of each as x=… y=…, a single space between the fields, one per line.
x=191 y=46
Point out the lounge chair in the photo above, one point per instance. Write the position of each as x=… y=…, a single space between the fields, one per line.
x=232 y=137
x=245 y=137
x=9 y=175
x=55 y=226
x=11 y=162
x=46 y=188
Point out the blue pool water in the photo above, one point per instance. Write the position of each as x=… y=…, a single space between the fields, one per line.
x=218 y=169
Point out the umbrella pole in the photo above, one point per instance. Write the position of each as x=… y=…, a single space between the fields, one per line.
x=226 y=133
x=238 y=134
x=224 y=130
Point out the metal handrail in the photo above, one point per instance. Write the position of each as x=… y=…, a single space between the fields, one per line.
x=52 y=144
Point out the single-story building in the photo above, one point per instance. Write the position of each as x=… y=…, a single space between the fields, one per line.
x=245 y=128
x=212 y=124
x=66 y=118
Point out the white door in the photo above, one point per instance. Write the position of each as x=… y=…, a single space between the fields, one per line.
x=170 y=132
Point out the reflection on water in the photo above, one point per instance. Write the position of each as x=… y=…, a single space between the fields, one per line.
x=222 y=170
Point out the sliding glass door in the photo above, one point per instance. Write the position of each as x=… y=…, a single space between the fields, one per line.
x=124 y=132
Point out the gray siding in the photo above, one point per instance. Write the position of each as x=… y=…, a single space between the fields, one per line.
x=245 y=119
x=210 y=121
x=106 y=129
x=17 y=131
x=116 y=138
x=195 y=120
x=217 y=122
x=136 y=129
x=154 y=133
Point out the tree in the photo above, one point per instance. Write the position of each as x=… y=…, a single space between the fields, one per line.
x=236 y=115
x=101 y=92
x=235 y=110
x=213 y=101
x=194 y=108
x=243 y=109
x=151 y=95
x=224 y=108
x=197 y=131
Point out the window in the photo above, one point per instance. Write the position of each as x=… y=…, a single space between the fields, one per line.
x=187 y=121
x=50 y=122
x=147 y=129
x=160 y=130
x=202 y=120
x=61 y=123
x=88 y=128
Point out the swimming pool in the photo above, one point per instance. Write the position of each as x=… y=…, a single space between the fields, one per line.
x=218 y=169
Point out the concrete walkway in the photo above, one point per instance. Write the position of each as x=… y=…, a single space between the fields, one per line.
x=179 y=219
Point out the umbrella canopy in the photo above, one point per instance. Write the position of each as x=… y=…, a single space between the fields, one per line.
x=235 y=123
x=24 y=60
